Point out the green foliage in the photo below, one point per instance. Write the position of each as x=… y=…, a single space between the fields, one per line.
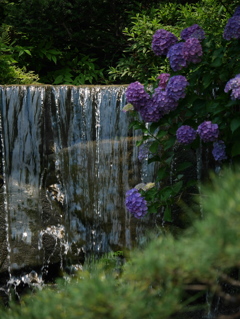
x=70 y=41
x=165 y=279
x=139 y=61
x=9 y=72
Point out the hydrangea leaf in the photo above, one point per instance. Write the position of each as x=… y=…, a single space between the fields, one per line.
x=235 y=123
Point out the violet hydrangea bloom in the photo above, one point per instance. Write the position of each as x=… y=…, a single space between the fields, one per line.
x=194 y=31
x=234 y=85
x=143 y=152
x=237 y=11
x=186 y=134
x=162 y=41
x=151 y=112
x=136 y=95
x=192 y=50
x=164 y=77
x=135 y=203
x=176 y=87
x=164 y=101
x=208 y=131
x=176 y=58
x=218 y=151
x=232 y=28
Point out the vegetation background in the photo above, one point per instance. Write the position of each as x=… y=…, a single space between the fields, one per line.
x=94 y=42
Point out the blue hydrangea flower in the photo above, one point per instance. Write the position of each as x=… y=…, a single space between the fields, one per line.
x=208 y=131
x=163 y=101
x=219 y=151
x=143 y=151
x=135 y=203
x=136 y=95
x=164 y=77
x=176 y=87
x=232 y=28
x=162 y=41
x=192 y=50
x=234 y=85
x=186 y=134
x=151 y=112
x=176 y=58
x=194 y=31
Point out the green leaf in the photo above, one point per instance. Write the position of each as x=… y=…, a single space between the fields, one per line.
x=170 y=142
x=54 y=59
x=235 y=123
x=236 y=149
x=177 y=187
x=153 y=127
x=165 y=193
x=167 y=214
x=162 y=173
x=217 y=62
x=154 y=147
x=183 y=166
x=161 y=134
x=207 y=80
x=28 y=52
x=137 y=125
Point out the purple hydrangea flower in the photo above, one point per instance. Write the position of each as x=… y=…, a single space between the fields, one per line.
x=186 y=134
x=237 y=11
x=143 y=152
x=176 y=58
x=194 y=31
x=232 y=28
x=176 y=87
x=234 y=85
x=208 y=132
x=218 y=151
x=151 y=112
x=136 y=95
x=164 y=77
x=164 y=101
x=162 y=41
x=192 y=50
x=135 y=203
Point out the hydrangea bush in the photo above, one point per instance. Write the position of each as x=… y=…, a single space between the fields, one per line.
x=194 y=107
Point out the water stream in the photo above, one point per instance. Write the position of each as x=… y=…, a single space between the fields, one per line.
x=67 y=159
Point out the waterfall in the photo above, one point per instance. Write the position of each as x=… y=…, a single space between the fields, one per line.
x=67 y=158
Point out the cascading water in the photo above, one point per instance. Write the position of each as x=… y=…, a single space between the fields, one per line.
x=67 y=159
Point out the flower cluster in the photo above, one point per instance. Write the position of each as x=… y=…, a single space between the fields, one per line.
x=163 y=101
x=176 y=58
x=234 y=85
x=151 y=112
x=192 y=50
x=194 y=31
x=164 y=77
x=219 y=151
x=186 y=134
x=135 y=203
x=162 y=41
x=136 y=95
x=183 y=53
x=237 y=11
x=176 y=87
x=208 y=132
x=232 y=28
x=143 y=152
